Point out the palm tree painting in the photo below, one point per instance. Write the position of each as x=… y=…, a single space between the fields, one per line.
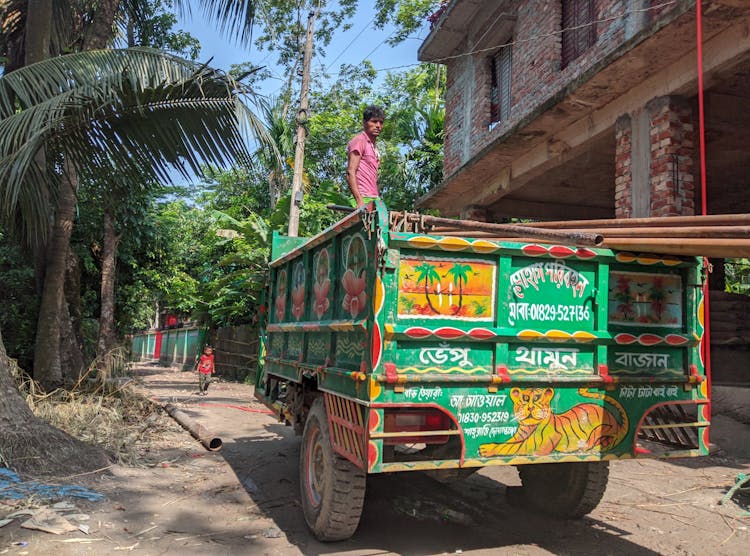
x=460 y=273
x=427 y=274
x=440 y=288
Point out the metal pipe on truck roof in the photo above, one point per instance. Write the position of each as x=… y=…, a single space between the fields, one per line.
x=653 y=221
x=514 y=230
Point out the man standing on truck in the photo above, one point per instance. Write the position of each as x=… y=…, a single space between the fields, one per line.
x=364 y=157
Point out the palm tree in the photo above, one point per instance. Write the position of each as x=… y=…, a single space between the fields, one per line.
x=423 y=129
x=427 y=273
x=460 y=273
x=282 y=134
x=66 y=117
x=131 y=113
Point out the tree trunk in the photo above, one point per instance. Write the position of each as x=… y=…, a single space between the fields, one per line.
x=47 y=366
x=47 y=358
x=157 y=320
x=38 y=30
x=73 y=298
x=107 y=338
x=100 y=32
x=71 y=356
x=31 y=446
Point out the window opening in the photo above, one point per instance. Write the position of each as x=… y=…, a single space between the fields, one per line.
x=500 y=71
x=579 y=30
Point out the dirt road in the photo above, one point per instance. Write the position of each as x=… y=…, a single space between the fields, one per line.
x=244 y=499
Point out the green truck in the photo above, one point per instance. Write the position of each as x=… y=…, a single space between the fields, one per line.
x=391 y=350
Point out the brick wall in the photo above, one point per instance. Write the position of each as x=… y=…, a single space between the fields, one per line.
x=454 y=124
x=536 y=77
x=672 y=152
x=669 y=172
x=623 y=175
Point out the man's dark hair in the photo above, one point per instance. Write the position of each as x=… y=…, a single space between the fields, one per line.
x=373 y=111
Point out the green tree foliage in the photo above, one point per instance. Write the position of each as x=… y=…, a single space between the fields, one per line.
x=411 y=142
x=284 y=24
x=205 y=255
x=738 y=276
x=20 y=303
x=407 y=16
x=152 y=23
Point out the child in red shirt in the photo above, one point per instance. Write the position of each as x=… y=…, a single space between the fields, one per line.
x=205 y=369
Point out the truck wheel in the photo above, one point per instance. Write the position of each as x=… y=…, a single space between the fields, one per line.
x=566 y=490
x=333 y=489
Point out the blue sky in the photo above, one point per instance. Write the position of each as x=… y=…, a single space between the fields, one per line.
x=347 y=47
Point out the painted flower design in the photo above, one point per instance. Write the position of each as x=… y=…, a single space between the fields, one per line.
x=280 y=304
x=321 y=290
x=355 y=298
x=280 y=308
x=298 y=301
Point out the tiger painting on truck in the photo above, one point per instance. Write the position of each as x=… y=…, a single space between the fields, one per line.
x=582 y=428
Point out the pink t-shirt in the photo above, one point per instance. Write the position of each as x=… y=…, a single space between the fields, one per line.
x=367 y=172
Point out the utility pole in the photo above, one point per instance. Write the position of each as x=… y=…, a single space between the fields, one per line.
x=299 y=152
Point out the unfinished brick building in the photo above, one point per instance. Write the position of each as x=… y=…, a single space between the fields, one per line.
x=570 y=109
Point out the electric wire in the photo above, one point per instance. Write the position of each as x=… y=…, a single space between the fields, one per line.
x=351 y=42
x=527 y=40
x=536 y=38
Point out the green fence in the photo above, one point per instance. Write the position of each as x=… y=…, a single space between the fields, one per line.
x=235 y=349
x=172 y=348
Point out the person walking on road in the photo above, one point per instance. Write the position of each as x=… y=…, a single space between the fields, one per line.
x=364 y=158
x=205 y=369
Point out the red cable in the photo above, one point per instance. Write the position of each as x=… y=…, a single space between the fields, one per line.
x=702 y=139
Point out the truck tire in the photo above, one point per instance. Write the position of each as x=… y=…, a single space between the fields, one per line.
x=565 y=490
x=332 y=488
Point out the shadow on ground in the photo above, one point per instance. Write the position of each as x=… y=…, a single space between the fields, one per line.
x=411 y=514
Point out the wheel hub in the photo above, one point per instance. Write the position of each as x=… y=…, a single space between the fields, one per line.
x=316 y=470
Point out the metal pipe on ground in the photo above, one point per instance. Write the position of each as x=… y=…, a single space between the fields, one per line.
x=199 y=432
